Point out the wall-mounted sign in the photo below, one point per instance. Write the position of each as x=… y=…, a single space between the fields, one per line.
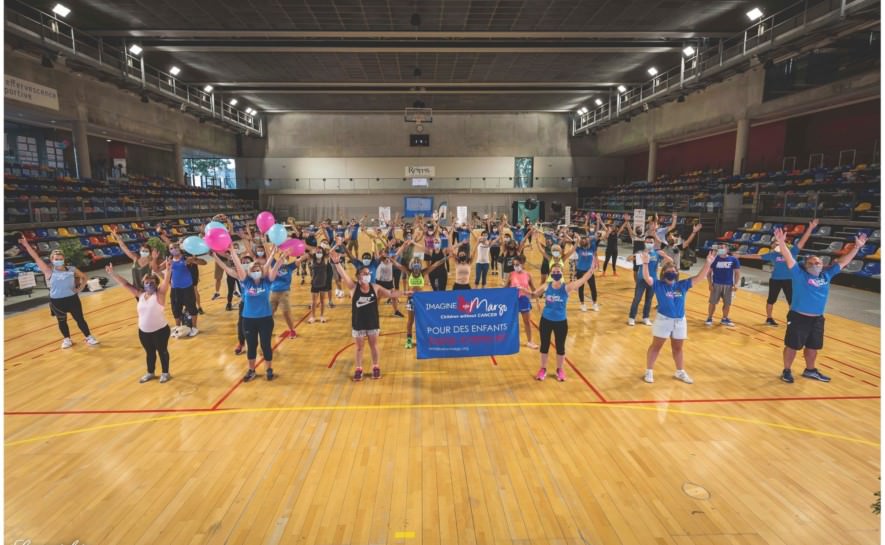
x=30 y=93
x=419 y=172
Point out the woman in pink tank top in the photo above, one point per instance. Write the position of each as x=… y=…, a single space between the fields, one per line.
x=522 y=280
x=153 y=329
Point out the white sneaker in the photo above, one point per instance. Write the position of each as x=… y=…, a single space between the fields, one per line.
x=595 y=307
x=646 y=321
x=583 y=308
x=146 y=377
x=631 y=321
x=683 y=376
x=91 y=341
x=67 y=343
x=174 y=332
x=649 y=376
x=531 y=345
x=193 y=332
x=165 y=377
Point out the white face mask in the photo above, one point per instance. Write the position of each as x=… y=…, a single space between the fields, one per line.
x=260 y=253
x=319 y=255
x=517 y=268
x=256 y=275
x=364 y=278
x=145 y=253
x=557 y=254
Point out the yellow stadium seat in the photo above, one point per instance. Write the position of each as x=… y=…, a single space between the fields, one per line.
x=877 y=255
x=863 y=207
x=763 y=251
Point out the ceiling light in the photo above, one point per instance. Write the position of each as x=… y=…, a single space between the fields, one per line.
x=622 y=89
x=208 y=88
x=688 y=51
x=61 y=10
x=109 y=139
x=754 y=14
x=653 y=71
x=250 y=111
x=233 y=102
x=598 y=102
x=175 y=70
x=135 y=49
x=582 y=111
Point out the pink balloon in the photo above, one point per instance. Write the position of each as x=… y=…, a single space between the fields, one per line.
x=218 y=240
x=294 y=245
x=265 y=221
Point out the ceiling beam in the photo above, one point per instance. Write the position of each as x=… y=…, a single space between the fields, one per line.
x=277 y=86
x=380 y=47
x=383 y=35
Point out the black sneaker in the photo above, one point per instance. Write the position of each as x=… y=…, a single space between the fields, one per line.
x=216 y=296
x=200 y=311
x=815 y=374
x=250 y=374
x=376 y=373
x=770 y=321
x=270 y=374
x=787 y=376
x=229 y=307
x=358 y=374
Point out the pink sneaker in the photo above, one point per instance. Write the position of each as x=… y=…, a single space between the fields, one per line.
x=358 y=374
x=542 y=374
x=560 y=375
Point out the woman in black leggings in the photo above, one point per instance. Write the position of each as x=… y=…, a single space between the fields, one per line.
x=257 y=312
x=611 y=245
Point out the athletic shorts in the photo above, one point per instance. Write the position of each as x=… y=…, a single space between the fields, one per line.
x=386 y=284
x=720 y=291
x=670 y=328
x=219 y=272
x=357 y=333
x=281 y=299
x=320 y=289
x=524 y=303
x=183 y=297
x=774 y=290
x=804 y=331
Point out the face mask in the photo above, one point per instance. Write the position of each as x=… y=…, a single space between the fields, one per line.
x=517 y=268
x=462 y=258
x=416 y=268
x=437 y=246
x=815 y=270
x=150 y=287
x=367 y=262
x=58 y=262
x=649 y=246
x=494 y=230
x=256 y=275
x=319 y=255
x=556 y=277
x=259 y=253
x=557 y=254
x=365 y=278
x=145 y=253
x=671 y=276
x=721 y=251
x=506 y=239
x=176 y=252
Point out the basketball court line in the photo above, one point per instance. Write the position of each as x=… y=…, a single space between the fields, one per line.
x=7 y=339
x=669 y=411
x=25 y=353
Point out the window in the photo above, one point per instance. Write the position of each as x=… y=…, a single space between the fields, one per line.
x=523 y=171
x=26 y=150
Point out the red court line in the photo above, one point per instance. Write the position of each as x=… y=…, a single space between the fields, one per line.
x=257 y=364
x=335 y=357
x=846 y=374
x=739 y=399
x=851 y=366
x=575 y=369
x=78 y=333
x=84 y=314
x=870 y=383
x=494 y=361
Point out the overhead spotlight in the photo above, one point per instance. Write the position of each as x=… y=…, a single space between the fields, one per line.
x=416 y=72
x=233 y=102
x=45 y=61
x=598 y=102
x=108 y=139
x=653 y=71
x=135 y=49
x=208 y=88
x=622 y=89
x=688 y=51
x=681 y=98
x=754 y=14
x=175 y=70
x=415 y=20
x=61 y=10
x=144 y=98
x=582 y=111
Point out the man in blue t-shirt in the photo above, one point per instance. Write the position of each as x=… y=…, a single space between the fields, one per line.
x=652 y=256
x=670 y=322
x=780 y=275
x=279 y=292
x=805 y=322
x=586 y=253
x=724 y=276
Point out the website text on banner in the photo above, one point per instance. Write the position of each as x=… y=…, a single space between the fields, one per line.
x=466 y=323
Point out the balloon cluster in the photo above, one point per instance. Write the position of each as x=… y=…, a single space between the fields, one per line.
x=217 y=238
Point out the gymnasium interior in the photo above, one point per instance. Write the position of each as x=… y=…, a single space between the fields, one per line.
x=152 y=126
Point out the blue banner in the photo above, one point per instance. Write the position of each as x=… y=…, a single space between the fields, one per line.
x=466 y=323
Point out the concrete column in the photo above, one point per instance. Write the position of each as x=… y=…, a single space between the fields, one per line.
x=652 y=159
x=179 y=163
x=81 y=148
x=740 y=145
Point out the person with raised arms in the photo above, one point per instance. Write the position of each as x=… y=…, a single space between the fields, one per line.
x=522 y=280
x=415 y=278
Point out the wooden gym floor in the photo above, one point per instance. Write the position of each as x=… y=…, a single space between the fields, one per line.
x=457 y=451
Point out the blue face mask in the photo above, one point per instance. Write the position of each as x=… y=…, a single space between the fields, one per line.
x=671 y=276
x=556 y=277
x=150 y=287
x=58 y=262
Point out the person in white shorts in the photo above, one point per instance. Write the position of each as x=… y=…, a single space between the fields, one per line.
x=670 y=320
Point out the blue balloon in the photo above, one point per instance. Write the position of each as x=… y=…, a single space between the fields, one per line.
x=194 y=245
x=277 y=234
x=214 y=225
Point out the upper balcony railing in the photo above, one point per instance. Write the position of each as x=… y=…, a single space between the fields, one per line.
x=60 y=38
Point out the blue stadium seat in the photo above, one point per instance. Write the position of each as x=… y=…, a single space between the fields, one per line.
x=873 y=268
